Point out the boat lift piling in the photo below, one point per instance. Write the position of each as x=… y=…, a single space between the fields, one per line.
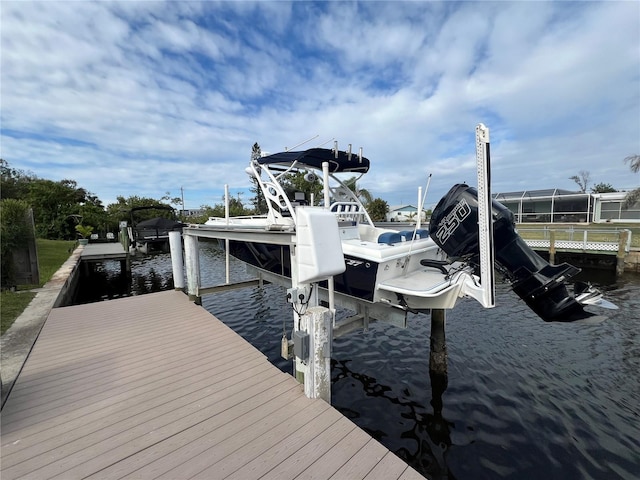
x=192 y=263
x=438 y=345
x=177 y=262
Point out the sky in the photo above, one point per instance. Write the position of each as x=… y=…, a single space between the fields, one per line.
x=144 y=98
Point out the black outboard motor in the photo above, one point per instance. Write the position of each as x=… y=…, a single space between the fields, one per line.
x=454 y=227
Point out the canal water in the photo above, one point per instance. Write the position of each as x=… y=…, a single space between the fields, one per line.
x=523 y=399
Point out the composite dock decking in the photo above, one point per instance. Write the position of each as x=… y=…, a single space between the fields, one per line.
x=156 y=387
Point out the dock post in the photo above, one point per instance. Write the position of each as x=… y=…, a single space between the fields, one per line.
x=317 y=322
x=438 y=350
x=621 y=252
x=177 y=263
x=192 y=257
x=124 y=240
x=552 y=247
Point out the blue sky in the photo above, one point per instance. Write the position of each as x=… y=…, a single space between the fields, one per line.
x=143 y=98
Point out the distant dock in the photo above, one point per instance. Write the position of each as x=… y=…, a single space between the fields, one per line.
x=98 y=252
x=154 y=386
x=101 y=252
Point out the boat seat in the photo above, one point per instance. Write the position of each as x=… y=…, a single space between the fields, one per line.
x=420 y=233
x=390 y=237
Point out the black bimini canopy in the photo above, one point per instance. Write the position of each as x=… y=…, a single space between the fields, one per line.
x=314 y=157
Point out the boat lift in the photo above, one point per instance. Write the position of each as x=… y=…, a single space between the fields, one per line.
x=316 y=255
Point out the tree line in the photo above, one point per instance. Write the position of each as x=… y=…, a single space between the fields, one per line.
x=59 y=207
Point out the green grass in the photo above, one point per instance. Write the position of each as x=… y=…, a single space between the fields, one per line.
x=51 y=255
x=12 y=305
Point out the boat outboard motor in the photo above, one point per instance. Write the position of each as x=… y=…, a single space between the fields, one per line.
x=454 y=227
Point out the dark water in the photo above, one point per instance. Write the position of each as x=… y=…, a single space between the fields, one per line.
x=523 y=398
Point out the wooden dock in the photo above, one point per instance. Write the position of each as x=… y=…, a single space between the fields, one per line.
x=156 y=387
x=97 y=252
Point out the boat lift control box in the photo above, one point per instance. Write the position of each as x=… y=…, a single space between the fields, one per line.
x=301 y=345
x=319 y=248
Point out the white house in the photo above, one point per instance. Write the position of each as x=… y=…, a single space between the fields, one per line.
x=404 y=213
x=607 y=207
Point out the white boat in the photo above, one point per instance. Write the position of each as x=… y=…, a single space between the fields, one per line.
x=416 y=269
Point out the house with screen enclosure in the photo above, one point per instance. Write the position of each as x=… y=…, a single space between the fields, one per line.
x=564 y=206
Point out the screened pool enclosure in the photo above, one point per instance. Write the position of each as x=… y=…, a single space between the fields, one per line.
x=558 y=206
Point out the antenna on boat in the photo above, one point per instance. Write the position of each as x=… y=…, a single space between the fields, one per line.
x=421 y=202
x=349 y=153
x=421 y=199
x=286 y=149
x=324 y=143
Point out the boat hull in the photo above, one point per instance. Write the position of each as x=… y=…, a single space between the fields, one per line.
x=358 y=280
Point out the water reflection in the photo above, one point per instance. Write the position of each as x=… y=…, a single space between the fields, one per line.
x=106 y=280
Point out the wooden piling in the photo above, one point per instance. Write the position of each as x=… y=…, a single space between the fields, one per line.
x=620 y=256
x=438 y=350
x=552 y=247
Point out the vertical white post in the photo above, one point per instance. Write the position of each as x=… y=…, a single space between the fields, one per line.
x=177 y=263
x=298 y=367
x=419 y=221
x=330 y=282
x=192 y=258
x=485 y=220
x=317 y=370
x=325 y=183
x=226 y=241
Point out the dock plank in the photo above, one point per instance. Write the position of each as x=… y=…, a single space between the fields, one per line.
x=111 y=430
x=156 y=387
x=160 y=457
x=329 y=463
x=362 y=462
x=295 y=463
x=389 y=467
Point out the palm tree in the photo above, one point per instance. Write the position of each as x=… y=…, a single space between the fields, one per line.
x=362 y=193
x=634 y=195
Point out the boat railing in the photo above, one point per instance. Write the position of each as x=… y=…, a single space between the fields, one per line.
x=348 y=211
